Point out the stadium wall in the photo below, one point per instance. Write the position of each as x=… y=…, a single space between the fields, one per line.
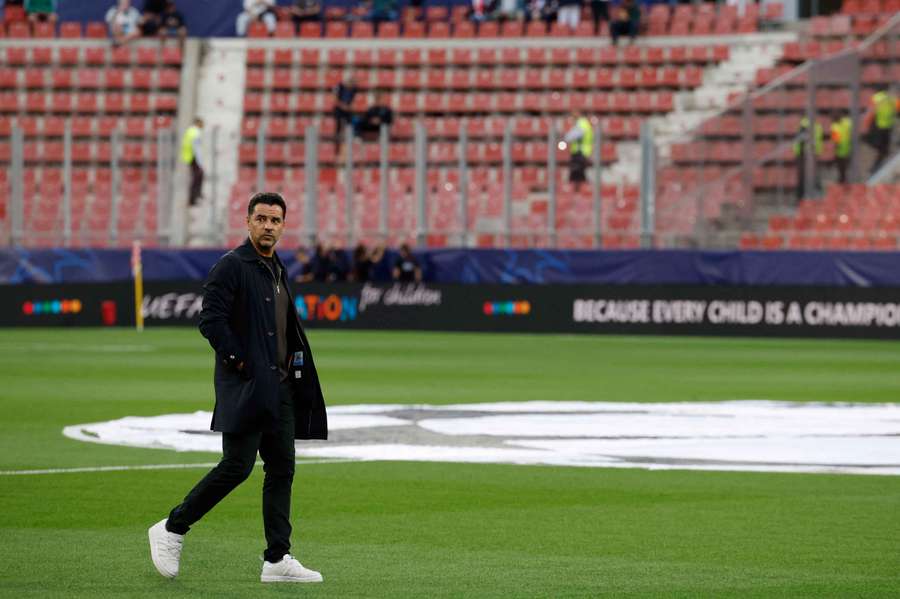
x=490 y=266
x=790 y=294
x=592 y=309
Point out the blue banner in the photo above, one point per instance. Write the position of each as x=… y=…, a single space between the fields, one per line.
x=632 y=267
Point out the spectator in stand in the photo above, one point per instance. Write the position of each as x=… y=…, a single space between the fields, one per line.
x=190 y=155
x=842 y=136
x=256 y=10
x=344 y=93
x=173 y=22
x=406 y=267
x=580 y=140
x=541 y=10
x=124 y=22
x=482 y=10
x=569 y=14
x=307 y=262
x=303 y=11
x=41 y=10
x=599 y=12
x=364 y=262
x=382 y=10
x=626 y=21
x=508 y=9
x=880 y=120
x=333 y=267
x=151 y=17
x=378 y=114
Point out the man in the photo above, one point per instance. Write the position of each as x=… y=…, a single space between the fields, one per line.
x=800 y=154
x=124 y=22
x=190 y=155
x=376 y=115
x=626 y=21
x=841 y=135
x=344 y=94
x=256 y=10
x=406 y=267
x=303 y=11
x=580 y=139
x=267 y=393
x=880 y=119
x=41 y=10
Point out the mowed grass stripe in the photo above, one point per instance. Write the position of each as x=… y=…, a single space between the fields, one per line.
x=412 y=530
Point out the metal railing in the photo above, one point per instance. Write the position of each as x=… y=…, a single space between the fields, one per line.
x=47 y=213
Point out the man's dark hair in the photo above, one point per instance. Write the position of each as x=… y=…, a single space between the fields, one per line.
x=267 y=197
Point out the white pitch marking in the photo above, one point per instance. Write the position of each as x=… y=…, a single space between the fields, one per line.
x=144 y=467
x=65 y=347
x=754 y=435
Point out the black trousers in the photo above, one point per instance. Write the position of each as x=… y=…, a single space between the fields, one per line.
x=842 y=164
x=881 y=139
x=238 y=456
x=196 y=187
x=599 y=12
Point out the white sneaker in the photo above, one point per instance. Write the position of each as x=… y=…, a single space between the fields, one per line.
x=288 y=570
x=165 y=549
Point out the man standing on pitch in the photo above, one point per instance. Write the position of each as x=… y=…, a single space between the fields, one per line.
x=267 y=393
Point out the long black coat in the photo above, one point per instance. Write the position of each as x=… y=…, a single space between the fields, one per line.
x=237 y=315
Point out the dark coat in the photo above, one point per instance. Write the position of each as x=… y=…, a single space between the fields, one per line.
x=237 y=315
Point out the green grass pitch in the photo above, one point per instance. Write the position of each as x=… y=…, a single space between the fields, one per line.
x=403 y=529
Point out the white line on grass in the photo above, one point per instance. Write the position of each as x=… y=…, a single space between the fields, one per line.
x=147 y=467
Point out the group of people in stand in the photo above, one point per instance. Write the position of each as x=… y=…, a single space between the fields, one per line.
x=878 y=123
x=329 y=264
x=624 y=18
x=158 y=19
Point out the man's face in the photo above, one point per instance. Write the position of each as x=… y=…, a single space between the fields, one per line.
x=265 y=226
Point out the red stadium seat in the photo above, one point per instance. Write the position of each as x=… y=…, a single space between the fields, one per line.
x=70 y=30
x=95 y=30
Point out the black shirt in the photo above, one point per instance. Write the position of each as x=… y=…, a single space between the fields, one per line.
x=407 y=267
x=345 y=93
x=282 y=305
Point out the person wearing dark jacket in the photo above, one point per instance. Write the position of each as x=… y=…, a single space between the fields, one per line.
x=267 y=393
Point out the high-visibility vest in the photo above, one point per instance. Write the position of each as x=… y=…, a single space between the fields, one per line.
x=585 y=144
x=841 y=133
x=187 y=144
x=885 y=110
x=819 y=138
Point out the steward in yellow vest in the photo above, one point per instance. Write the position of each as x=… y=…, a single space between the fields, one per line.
x=882 y=116
x=581 y=144
x=842 y=136
x=190 y=155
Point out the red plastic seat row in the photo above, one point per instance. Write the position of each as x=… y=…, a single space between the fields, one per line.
x=52 y=126
x=88 y=78
x=870 y=7
x=92 y=56
x=609 y=56
x=87 y=103
x=431 y=102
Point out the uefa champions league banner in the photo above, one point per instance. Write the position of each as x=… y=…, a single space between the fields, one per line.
x=590 y=309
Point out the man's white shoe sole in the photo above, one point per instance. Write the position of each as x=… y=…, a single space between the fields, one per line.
x=317 y=578
x=163 y=572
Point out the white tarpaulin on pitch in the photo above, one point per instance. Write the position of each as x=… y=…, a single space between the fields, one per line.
x=732 y=435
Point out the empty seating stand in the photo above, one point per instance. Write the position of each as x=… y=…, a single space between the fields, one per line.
x=96 y=90
x=849 y=217
x=481 y=89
